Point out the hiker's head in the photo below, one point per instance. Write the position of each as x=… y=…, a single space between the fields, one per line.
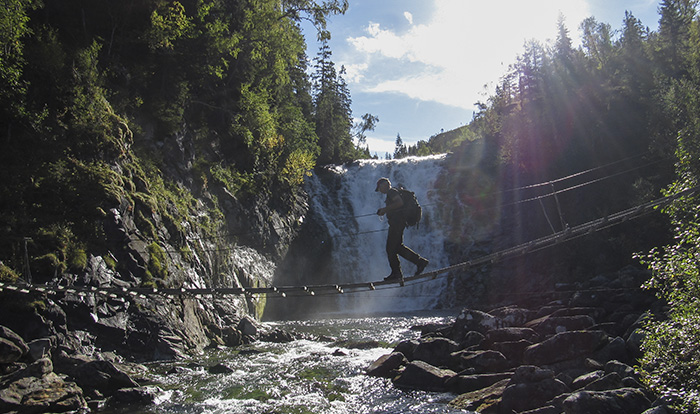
x=383 y=185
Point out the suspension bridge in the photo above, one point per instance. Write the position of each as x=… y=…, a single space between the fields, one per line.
x=567 y=234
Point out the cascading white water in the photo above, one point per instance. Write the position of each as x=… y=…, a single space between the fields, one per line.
x=348 y=211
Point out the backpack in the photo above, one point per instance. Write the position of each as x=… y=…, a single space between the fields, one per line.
x=411 y=209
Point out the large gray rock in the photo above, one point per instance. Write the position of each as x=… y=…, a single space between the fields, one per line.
x=423 y=376
x=48 y=394
x=461 y=384
x=474 y=320
x=551 y=325
x=140 y=396
x=511 y=334
x=387 y=366
x=619 y=401
x=12 y=346
x=435 y=351
x=565 y=346
x=102 y=376
x=481 y=362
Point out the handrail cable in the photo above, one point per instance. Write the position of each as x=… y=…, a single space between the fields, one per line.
x=312 y=290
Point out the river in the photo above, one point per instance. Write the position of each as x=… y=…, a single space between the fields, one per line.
x=325 y=374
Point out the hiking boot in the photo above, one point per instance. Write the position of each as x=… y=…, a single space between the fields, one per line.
x=393 y=277
x=422 y=264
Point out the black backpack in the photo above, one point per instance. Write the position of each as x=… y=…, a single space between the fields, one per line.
x=411 y=209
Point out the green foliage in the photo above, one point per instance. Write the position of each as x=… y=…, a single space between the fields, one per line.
x=157 y=263
x=7 y=275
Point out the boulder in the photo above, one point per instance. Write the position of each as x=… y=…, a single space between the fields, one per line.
x=435 y=351
x=474 y=320
x=610 y=381
x=482 y=362
x=614 y=350
x=513 y=351
x=485 y=400
x=12 y=346
x=139 y=396
x=387 y=366
x=40 y=348
x=521 y=396
x=102 y=376
x=407 y=348
x=49 y=393
x=619 y=401
x=513 y=315
x=551 y=325
x=511 y=334
x=220 y=368
x=565 y=346
x=461 y=384
x=423 y=376
x=586 y=379
x=623 y=369
x=472 y=339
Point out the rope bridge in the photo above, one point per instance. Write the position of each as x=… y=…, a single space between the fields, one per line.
x=120 y=293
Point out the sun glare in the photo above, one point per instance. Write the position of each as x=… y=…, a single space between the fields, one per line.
x=466 y=45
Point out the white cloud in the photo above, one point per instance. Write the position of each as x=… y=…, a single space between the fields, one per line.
x=465 y=45
x=408 y=16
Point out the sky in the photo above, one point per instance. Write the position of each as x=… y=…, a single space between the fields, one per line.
x=420 y=66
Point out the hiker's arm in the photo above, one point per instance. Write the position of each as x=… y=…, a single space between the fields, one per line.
x=394 y=204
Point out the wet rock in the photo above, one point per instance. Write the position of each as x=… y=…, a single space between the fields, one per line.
x=102 y=376
x=623 y=400
x=423 y=376
x=139 y=396
x=513 y=351
x=482 y=362
x=610 y=381
x=614 y=350
x=249 y=327
x=549 y=409
x=634 y=343
x=485 y=400
x=231 y=336
x=407 y=348
x=387 y=366
x=565 y=346
x=472 y=339
x=12 y=346
x=513 y=315
x=435 y=351
x=474 y=320
x=551 y=325
x=49 y=393
x=530 y=387
x=358 y=344
x=511 y=334
x=40 y=348
x=461 y=384
x=220 y=369
x=623 y=369
x=586 y=379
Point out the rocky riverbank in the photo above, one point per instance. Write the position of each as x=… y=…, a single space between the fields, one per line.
x=56 y=374
x=575 y=355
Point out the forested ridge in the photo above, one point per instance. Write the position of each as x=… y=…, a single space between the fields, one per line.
x=94 y=94
x=625 y=94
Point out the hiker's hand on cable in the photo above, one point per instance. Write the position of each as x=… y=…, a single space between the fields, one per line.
x=381 y=211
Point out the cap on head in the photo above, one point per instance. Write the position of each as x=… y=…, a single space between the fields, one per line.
x=382 y=180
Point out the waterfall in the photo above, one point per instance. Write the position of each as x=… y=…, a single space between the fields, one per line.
x=344 y=203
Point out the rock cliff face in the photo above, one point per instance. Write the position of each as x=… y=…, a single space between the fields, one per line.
x=221 y=240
